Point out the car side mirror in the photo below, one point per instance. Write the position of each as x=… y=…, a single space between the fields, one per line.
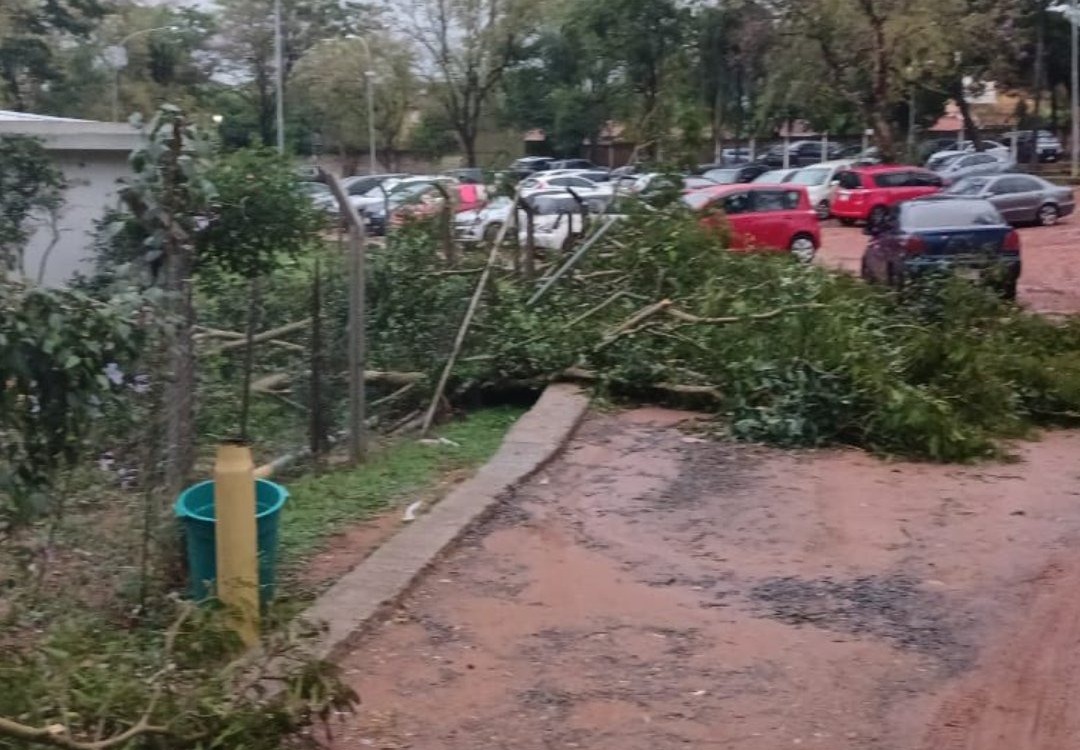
x=834 y=183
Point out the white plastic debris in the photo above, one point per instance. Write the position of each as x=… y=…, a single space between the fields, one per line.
x=412 y=511
x=439 y=441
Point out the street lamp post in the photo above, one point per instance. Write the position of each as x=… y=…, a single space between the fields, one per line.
x=117 y=57
x=369 y=80
x=279 y=79
x=369 y=76
x=1074 y=147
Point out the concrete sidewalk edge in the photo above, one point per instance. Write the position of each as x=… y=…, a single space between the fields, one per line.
x=357 y=599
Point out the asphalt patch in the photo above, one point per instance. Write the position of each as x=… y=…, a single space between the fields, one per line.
x=890 y=607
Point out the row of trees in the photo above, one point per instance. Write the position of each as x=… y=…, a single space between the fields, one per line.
x=673 y=74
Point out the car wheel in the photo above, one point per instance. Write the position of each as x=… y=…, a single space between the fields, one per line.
x=491 y=233
x=1047 y=215
x=877 y=216
x=802 y=248
x=823 y=210
x=847 y=222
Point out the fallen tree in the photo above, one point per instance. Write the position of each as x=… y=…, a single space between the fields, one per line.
x=783 y=352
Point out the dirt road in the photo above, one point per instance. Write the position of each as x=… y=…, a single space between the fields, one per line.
x=652 y=591
x=1050 y=281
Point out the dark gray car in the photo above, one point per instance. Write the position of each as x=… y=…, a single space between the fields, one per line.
x=1020 y=198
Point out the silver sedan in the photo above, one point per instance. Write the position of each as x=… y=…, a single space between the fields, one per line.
x=1019 y=198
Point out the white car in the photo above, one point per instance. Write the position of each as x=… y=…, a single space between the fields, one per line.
x=545 y=181
x=776 y=176
x=483 y=224
x=557 y=218
x=818 y=181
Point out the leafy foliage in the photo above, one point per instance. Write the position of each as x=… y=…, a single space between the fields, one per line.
x=28 y=183
x=799 y=356
x=90 y=680
x=56 y=348
x=258 y=214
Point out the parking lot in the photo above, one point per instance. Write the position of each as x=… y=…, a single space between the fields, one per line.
x=1050 y=282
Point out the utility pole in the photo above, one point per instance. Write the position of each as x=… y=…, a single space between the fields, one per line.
x=1074 y=147
x=279 y=78
x=369 y=76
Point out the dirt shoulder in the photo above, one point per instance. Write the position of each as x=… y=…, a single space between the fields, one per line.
x=653 y=591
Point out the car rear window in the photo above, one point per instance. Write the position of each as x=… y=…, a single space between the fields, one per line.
x=891 y=179
x=776 y=200
x=968 y=186
x=849 y=180
x=953 y=213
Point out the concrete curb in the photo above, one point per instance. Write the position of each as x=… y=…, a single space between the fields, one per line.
x=358 y=598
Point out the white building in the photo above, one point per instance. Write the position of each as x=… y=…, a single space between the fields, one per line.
x=93 y=157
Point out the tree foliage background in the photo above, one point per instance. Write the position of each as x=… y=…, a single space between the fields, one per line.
x=671 y=74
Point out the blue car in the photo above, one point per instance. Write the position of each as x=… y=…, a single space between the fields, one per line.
x=967 y=236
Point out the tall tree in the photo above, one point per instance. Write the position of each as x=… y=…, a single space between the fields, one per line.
x=469 y=45
x=30 y=31
x=331 y=86
x=247 y=41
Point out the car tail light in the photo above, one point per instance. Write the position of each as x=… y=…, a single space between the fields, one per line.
x=1012 y=242
x=914 y=245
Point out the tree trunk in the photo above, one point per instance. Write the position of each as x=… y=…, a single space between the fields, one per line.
x=1040 y=66
x=971 y=130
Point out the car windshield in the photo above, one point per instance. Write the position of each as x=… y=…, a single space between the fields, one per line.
x=774 y=176
x=968 y=186
x=945 y=160
x=722 y=176
x=697 y=201
x=693 y=183
x=918 y=215
x=816 y=176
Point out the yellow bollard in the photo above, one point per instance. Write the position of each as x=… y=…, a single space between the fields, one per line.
x=235 y=538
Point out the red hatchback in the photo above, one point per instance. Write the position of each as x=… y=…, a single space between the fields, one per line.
x=772 y=217
x=866 y=193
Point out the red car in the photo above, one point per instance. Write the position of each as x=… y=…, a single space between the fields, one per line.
x=775 y=217
x=866 y=193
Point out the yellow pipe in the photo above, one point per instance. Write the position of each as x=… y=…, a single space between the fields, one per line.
x=235 y=538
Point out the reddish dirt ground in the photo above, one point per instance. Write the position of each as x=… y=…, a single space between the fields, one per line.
x=651 y=590
x=1049 y=283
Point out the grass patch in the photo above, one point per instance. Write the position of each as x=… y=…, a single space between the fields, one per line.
x=319 y=505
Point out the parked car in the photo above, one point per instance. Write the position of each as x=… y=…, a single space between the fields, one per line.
x=469 y=175
x=542 y=181
x=973 y=164
x=595 y=175
x=483 y=224
x=1019 y=198
x=775 y=176
x=424 y=203
x=801 y=154
x=867 y=193
x=863 y=157
x=733 y=175
x=967 y=235
x=771 y=217
x=941 y=159
x=571 y=164
x=320 y=195
x=1046 y=144
x=988 y=146
x=557 y=217
x=656 y=182
x=529 y=164
x=377 y=210
x=360 y=184
x=819 y=182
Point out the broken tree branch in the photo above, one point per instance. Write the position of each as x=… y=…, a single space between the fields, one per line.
x=631 y=323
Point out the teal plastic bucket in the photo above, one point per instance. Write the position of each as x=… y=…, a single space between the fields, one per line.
x=195 y=509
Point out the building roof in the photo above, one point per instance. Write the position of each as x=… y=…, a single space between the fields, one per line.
x=67 y=134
